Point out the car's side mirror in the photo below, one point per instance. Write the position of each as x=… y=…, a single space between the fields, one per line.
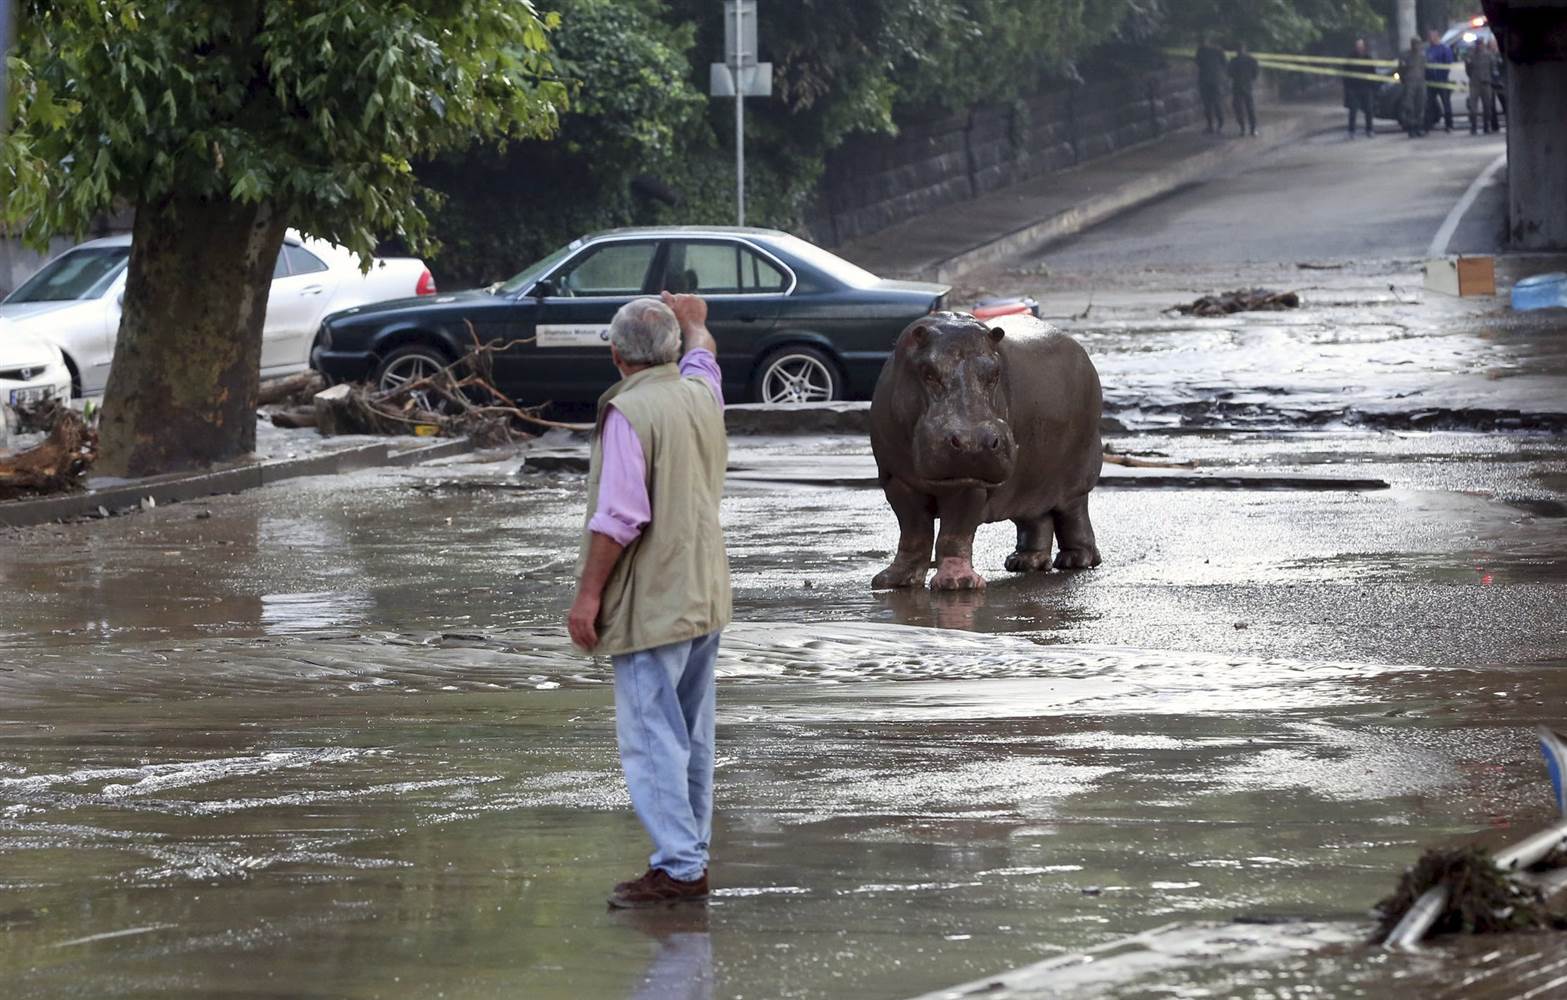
x=544 y=289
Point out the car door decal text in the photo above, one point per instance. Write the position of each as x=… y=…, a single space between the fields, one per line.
x=570 y=335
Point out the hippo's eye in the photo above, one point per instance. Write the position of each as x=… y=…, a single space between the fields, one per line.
x=932 y=378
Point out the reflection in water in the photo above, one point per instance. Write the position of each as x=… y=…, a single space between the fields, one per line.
x=285 y=613
x=942 y=609
x=682 y=966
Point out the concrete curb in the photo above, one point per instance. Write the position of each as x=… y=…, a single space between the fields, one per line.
x=192 y=486
x=807 y=418
x=1097 y=210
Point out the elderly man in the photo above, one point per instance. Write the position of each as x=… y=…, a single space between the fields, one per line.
x=653 y=579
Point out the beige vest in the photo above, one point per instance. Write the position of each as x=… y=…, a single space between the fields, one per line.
x=672 y=583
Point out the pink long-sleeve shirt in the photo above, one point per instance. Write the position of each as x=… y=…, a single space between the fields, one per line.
x=624 y=507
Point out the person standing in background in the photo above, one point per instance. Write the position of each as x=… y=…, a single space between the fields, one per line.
x=1210 y=83
x=1482 y=99
x=1412 y=103
x=1360 y=95
x=1439 y=98
x=1498 y=77
x=1243 y=72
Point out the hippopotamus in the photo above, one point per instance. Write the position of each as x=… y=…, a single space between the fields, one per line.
x=973 y=423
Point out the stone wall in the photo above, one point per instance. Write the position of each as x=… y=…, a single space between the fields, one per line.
x=873 y=182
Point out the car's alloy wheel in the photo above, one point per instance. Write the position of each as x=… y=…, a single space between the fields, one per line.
x=798 y=375
x=410 y=364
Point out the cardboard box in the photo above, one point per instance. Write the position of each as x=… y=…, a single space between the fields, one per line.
x=1461 y=275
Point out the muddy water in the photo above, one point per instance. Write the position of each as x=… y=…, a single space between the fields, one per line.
x=329 y=741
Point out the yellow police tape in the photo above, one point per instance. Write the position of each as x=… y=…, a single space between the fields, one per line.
x=1300 y=64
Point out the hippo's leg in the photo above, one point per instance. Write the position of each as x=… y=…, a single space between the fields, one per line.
x=1075 y=535
x=916 y=533
x=1033 y=544
x=961 y=514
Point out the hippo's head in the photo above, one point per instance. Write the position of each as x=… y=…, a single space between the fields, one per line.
x=954 y=388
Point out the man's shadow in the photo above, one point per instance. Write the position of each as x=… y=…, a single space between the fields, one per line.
x=682 y=963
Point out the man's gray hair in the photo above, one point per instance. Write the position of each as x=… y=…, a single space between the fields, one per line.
x=645 y=332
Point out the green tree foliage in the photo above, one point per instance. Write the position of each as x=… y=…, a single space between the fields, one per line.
x=634 y=110
x=840 y=69
x=222 y=124
x=315 y=106
x=1273 y=25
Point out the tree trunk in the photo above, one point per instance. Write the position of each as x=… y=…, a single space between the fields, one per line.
x=187 y=365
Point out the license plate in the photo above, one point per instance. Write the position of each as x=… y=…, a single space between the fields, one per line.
x=31 y=395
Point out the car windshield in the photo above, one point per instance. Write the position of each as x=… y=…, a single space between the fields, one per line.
x=534 y=272
x=84 y=273
x=830 y=264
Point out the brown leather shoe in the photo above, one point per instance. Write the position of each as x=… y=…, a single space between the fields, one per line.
x=657 y=888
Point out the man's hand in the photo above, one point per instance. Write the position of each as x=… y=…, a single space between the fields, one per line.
x=691 y=313
x=582 y=621
x=689 y=310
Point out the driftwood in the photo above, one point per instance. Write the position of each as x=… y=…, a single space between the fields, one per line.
x=1240 y=300
x=1145 y=463
x=290 y=389
x=294 y=417
x=459 y=400
x=57 y=465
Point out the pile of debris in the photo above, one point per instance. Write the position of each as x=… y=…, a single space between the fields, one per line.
x=1241 y=300
x=1469 y=890
x=59 y=463
x=459 y=400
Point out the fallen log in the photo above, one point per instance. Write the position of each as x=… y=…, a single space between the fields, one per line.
x=1240 y=300
x=294 y=417
x=297 y=388
x=56 y=465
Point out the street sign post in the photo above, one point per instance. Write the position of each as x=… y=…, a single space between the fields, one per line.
x=740 y=76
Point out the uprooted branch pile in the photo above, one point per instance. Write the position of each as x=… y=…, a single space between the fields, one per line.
x=1481 y=898
x=1241 y=300
x=458 y=400
x=58 y=464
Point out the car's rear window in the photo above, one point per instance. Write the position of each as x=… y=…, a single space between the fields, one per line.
x=829 y=264
x=84 y=273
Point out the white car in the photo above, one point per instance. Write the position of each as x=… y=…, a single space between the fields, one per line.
x=32 y=370
x=74 y=301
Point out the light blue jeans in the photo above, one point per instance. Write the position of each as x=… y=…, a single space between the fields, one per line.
x=664 y=702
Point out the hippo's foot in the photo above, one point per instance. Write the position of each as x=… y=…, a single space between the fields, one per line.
x=901 y=575
x=956 y=573
x=1028 y=562
x=1077 y=558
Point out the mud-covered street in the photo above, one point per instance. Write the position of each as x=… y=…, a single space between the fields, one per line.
x=329 y=739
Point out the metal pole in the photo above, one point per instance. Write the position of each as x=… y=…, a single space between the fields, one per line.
x=7 y=37
x=1404 y=24
x=739 y=67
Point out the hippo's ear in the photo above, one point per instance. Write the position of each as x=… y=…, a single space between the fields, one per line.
x=996 y=333
x=915 y=337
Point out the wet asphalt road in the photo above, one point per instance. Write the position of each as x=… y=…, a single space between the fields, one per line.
x=327 y=739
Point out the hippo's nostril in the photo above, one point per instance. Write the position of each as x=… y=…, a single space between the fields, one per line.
x=991 y=440
x=956 y=441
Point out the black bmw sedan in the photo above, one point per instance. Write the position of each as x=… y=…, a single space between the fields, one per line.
x=794 y=323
